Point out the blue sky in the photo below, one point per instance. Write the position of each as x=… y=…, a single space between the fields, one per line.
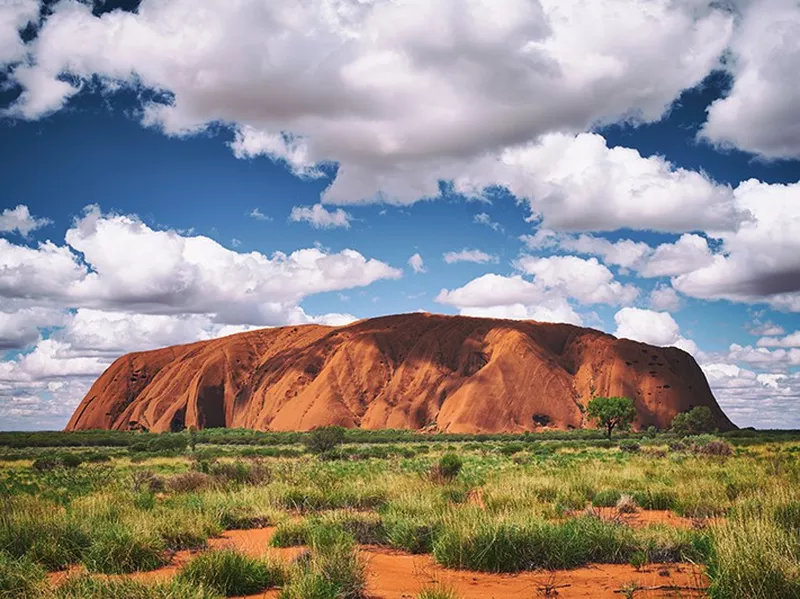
x=485 y=158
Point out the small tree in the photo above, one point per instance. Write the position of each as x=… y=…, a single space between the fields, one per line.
x=324 y=439
x=611 y=412
x=192 y=438
x=697 y=421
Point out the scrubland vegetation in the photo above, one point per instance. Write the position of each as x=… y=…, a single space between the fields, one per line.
x=101 y=505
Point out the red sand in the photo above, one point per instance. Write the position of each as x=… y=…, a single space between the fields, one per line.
x=396 y=575
x=463 y=374
x=644 y=518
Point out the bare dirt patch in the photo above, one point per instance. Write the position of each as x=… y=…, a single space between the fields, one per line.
x=394 y=574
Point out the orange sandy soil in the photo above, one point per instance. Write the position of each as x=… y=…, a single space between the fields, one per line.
x=393 y=574
x=644 y=518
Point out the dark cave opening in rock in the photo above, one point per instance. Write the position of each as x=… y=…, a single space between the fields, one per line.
x=211 y=407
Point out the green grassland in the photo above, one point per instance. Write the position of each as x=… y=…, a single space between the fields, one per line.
x=118 y=502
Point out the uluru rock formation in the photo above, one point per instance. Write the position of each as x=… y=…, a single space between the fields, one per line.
x=410 y=371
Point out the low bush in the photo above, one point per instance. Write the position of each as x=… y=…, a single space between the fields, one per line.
x=630 y=447
x=447 y=468
x=147 y=480
x=253 y=472
x=714 y=448
x=511 y=448
x=231 y=573
x=189 y=482
x=324 y=439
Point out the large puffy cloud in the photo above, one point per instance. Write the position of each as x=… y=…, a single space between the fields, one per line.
x=664 y=298
x=497 y=296
x=757 y=262
x=761 y=114
x=389 y=90
x=587 y=281
x=138 y=269
x=655 y=328
x=688 y=253
x=579 y=183
x=555 y=281
x=20 y=323
x=42 y=272
x=119 y=286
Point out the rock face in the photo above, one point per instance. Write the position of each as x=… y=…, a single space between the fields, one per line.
x=410 y=371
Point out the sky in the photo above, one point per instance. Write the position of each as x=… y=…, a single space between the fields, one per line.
x=175 y=170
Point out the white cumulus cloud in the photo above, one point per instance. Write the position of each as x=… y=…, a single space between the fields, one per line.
x=467 y=255
x=319 y=217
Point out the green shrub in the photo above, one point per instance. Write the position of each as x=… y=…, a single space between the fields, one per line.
x=189 y=482
x=255 y=472
x=44 y=464
x=511 y=448
x=447 y=468
x=697 y=421
x=714 y=448
x=70 y=460
x=324 y=439
x=231 y=573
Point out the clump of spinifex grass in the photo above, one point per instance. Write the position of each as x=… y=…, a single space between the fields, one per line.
x=331 y=570
x=469 y=540
x=437 y=592
x=120 y=549
x=365 y=527
x=90 y=587
x=41 y=531
x=232 y=573
x=20 y=577
x=754 y=558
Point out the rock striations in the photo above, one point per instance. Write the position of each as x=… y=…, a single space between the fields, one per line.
x=410 y=371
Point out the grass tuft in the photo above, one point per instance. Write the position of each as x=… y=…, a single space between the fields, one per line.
x=20 y=577
x=232 y=573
